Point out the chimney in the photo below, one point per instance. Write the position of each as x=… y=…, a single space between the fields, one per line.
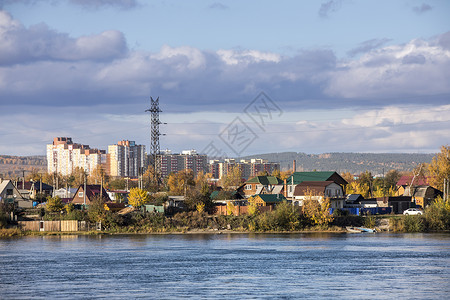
x=294 y=167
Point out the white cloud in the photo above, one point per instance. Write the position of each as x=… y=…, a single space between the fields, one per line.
x=416 y=68
x=231 y=57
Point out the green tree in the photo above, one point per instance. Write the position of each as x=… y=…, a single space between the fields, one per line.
x=138 y=197
x=54 y=204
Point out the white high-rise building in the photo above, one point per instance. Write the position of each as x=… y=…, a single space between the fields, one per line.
x=63 y=156
x=125 y=159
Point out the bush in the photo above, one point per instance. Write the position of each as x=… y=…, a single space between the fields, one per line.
x=437 y=215
x=413 y=224
x=369 y=221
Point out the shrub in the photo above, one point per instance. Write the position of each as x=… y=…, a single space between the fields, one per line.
x=437 y=215
x=413 y=224
x=369 y=221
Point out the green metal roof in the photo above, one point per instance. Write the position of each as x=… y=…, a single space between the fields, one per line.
x=265 y=180
x=299 y=177
x=271 y=198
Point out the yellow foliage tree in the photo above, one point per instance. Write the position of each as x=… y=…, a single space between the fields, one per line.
x=230 y=208
x=200 y=207
x=317 y=211
x=439 y=168
x=252 y=209
x=179 y=182
x=138 y=197
x=232 y=179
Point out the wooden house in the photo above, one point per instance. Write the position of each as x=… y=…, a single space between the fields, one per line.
x=93 y=191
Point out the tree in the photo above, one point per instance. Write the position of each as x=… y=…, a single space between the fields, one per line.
x=391 y=179
x=179 y=182
x=202 y=182
x=77 y=177
x=439 y=168
x=348 y=177
x=233 y=178
x=54 y=204
x=317 y=211
x=98 y=176
x=138 y=197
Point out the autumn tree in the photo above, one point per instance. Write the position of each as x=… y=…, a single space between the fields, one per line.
x=232 y=179
x=98 y=176
x=348 y=177
x=180 y=182
x=439 y=168
x=318 y=211
x=138 y=197
x=77 y=176
x=54 y=204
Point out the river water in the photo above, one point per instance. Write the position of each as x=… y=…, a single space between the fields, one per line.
x=227 y=266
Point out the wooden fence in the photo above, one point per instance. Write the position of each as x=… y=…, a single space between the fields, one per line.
x=65 y=225
x=238 y=210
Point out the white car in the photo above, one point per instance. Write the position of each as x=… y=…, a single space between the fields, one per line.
x=413 y=211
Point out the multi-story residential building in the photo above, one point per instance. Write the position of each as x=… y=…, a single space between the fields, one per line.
x=186 y=160
x=63 y=156
x=249 y=168
x=125 y=159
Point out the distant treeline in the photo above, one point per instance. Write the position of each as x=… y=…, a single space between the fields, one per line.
x=354 y=163
x=13 y=166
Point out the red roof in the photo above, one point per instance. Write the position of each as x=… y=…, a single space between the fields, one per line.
x=406 y=180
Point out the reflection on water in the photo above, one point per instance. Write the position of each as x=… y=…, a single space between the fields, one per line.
x=319 y=265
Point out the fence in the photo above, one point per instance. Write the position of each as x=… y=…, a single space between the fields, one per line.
x=365 y=211
x=239 y=210
x=65 y=225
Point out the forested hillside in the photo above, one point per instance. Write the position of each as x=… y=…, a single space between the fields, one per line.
x=13 y=166
x=354 y=163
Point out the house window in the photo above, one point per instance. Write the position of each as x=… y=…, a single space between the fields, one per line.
x=248 y=187
x=9 y=192
x=80 y=194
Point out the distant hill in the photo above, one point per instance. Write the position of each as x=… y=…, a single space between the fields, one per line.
x=13 y=166
x=354 y=163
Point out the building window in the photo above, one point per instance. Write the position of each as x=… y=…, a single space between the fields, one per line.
x=80 y=194
x=248 y=187
x=9 y=192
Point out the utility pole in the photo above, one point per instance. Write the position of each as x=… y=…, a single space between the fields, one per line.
x=155 y=134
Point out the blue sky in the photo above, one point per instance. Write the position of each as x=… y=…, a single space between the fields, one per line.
x=344 y=76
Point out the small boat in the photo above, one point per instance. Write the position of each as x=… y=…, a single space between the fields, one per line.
x=359 y=229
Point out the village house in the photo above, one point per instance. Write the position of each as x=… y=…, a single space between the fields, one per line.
x=261 y=185
x=93 y=191
x=267 y=199
x=10 y=194
x=319 y=190
x=422 y=195
x=299 y=177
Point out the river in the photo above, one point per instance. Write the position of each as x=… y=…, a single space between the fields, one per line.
x=227 y=266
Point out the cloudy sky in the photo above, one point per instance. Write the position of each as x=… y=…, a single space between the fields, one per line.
x=233 y=77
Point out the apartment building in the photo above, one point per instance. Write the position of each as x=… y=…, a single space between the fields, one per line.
x=125 y=159
x=249 y=168
x=186 y=160
x=63 y=156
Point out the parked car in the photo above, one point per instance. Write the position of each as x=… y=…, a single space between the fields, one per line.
x=413 y=211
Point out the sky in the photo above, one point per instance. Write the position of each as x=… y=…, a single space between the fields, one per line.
x=234 y=78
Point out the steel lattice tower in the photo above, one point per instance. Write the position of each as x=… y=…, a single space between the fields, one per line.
x=155 y=150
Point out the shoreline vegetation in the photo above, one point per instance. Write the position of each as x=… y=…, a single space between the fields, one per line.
x=283 y=220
